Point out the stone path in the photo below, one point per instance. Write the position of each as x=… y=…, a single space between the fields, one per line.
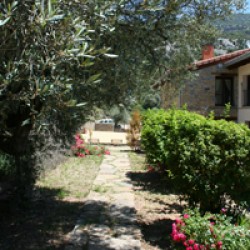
x=108 y=220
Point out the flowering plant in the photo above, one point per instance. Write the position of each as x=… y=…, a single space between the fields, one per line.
x=211 y=231
x=80 y=149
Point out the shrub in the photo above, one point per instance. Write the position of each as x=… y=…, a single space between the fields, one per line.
x=205 y=158
x=82 y=150
x=211 y=231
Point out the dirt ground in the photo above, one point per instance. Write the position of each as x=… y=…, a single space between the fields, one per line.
x=157 y=206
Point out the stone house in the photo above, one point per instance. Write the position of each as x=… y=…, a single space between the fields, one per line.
x=221 y=79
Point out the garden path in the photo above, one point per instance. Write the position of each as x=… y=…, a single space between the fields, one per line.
x=108 y=219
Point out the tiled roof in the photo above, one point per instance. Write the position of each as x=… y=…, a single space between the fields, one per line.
x=219 y=59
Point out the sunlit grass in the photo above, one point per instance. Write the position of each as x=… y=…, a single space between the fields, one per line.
x=74 y=177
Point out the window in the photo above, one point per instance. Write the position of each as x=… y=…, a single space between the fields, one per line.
x=246 y=92
x=224 y=91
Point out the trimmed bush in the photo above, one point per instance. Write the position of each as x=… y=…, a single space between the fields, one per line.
x=205 y=158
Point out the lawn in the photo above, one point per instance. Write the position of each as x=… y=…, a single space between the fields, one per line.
x=43 y=222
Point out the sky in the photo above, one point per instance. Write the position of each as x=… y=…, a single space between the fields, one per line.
x=248 y=7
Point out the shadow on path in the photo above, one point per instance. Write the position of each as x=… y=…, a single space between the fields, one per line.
x=39 y=224
x=158 y=209
x=105 y=226
x=154 y=182
x=157 y=233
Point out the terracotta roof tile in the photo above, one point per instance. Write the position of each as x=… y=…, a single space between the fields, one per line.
x=218 y=59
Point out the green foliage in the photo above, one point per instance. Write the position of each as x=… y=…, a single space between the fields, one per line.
x=227 y=109
x=6 y=166
x=59 y=58
x=151 y=101
x=211 y=231
x=205 y=158
x=47 y=81
x=120 y=114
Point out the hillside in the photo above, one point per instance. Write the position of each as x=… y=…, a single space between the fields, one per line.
x=236 y=26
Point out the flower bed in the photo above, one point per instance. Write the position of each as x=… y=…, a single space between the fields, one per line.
x=80 y=149
x=211 y=231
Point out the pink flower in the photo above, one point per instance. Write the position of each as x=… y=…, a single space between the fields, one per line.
x=107 y=152
x=77 y=136
x=182 y=236
x=189 y=248
x=186 y=216
x=178 y=221
x=80 y=155
x=191 y=242
x=175 y=237
x=174 y=226
x=223 y=210
x=196 y=246
x=178 y=237
x=79 y=142
x=219 y=245
x=174 y=231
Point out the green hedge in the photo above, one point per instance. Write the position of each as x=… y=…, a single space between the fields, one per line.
x=205 y=158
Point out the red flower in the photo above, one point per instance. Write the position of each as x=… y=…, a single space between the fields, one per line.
x=196 y=246
x=151 y=169
x=191 y=242
x=219 y=245
x=80 y=155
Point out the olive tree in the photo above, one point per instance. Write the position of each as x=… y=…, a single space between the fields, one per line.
x=60 y=57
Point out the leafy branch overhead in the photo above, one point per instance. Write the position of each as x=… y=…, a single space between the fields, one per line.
x=59 y=58
x=48 y=48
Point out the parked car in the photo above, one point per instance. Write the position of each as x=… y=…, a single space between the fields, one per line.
x=105 y=121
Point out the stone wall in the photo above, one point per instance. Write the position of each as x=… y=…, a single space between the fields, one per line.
x=199 y=94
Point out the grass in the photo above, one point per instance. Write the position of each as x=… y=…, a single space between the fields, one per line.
x=100 y=189
x=74 y=177
x=43 y=222
x=137 y=161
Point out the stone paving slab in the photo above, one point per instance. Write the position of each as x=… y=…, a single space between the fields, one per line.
x=108 y=219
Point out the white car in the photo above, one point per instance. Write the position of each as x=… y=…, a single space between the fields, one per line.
x=105 y=121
